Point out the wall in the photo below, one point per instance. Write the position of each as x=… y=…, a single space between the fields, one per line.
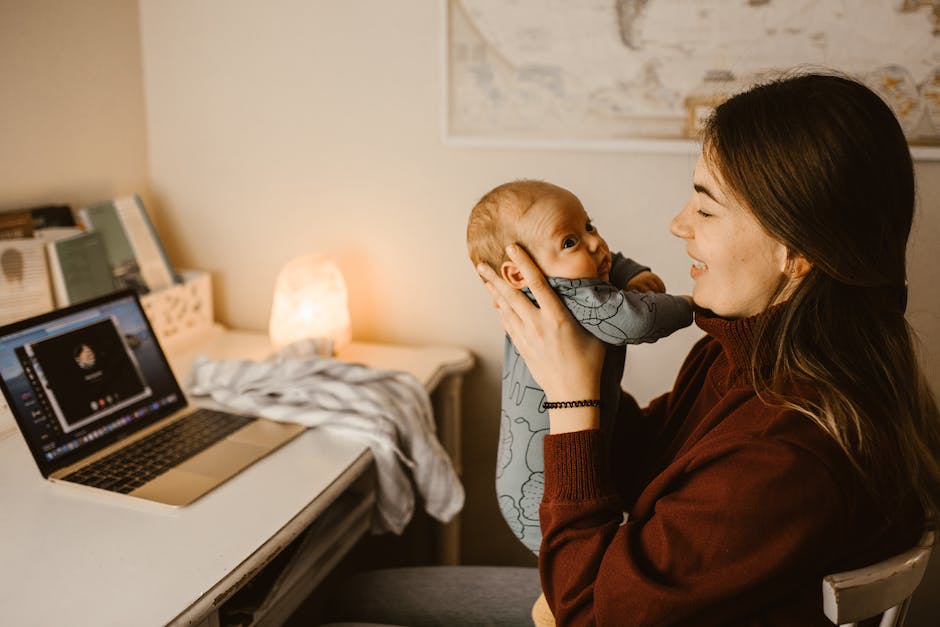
x=71 y=102
x=281 y=128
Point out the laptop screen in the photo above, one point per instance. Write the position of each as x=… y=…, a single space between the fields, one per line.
x=79 y=378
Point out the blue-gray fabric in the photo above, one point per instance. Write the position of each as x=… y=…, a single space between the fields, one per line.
x=617 y=317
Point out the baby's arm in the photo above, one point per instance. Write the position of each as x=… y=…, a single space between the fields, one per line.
x=622 y=317
x=646 y=281
x=623 y=270
x=627 y=273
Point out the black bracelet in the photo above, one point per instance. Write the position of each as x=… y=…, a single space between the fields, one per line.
x=559 y=404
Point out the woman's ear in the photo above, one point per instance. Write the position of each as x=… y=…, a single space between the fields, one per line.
x=797 y=265
x=512 y=275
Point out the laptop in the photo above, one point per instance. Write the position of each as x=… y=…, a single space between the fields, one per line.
x=98 y=405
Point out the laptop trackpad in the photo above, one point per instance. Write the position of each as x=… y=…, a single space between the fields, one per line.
x=223 y=459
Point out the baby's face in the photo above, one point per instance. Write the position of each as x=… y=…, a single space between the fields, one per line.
x=558 y=234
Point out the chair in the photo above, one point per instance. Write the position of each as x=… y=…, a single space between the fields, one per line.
x=884 y=588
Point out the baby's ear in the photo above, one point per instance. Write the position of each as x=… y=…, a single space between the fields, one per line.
x=512 y=275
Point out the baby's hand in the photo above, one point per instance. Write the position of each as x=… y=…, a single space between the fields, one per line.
x=646 y=281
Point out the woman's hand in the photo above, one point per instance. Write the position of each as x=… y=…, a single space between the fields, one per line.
x=564 y=358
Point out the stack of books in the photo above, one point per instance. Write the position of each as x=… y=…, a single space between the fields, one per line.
x=50 y=257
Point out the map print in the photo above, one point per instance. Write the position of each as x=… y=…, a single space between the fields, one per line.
x=609 y=70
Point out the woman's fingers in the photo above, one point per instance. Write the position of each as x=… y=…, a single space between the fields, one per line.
x=506 y=298
x=500 y=290
x=534 y=278
x=563 y=357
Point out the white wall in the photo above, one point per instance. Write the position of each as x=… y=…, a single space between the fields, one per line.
x=284 y=127
x=71 y=102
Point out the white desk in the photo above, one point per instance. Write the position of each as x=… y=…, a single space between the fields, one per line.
x=70 y=556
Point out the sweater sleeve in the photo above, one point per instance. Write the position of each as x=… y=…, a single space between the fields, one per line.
x=739 y=514
x=620 y=317
x=622 y=269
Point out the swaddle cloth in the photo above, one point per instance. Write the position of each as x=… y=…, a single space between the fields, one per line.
x=388 y=410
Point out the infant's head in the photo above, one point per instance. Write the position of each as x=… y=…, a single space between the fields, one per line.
x=548 y=221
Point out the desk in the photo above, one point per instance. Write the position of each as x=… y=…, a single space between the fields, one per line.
x=70 y=556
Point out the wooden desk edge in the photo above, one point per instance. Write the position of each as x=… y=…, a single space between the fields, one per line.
x=458 y=366
x=212 y=599
x=454 y=362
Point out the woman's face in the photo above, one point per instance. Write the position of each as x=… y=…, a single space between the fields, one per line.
x=737 y=267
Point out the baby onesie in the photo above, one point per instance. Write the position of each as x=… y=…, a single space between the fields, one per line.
x=615 y=316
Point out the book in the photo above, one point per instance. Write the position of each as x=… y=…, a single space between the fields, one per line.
x=49 y=216
x=51 y=233
x=79 y=268
x=24 y=280
x=24 y=223
x=16 y=225
x=135 y=252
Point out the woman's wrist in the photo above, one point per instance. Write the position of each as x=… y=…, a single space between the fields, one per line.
x=580 y=417
x=584 y=402
x=571 y=386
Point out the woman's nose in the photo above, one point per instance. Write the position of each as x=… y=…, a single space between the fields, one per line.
x=679 y=226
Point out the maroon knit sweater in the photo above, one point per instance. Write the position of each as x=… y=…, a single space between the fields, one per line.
x=737 y=509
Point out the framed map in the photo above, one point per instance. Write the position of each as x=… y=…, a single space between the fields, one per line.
x=644 y=73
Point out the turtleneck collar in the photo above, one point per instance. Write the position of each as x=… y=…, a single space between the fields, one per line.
x=737 y=337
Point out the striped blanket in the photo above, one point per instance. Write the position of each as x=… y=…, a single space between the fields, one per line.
x=388 y=410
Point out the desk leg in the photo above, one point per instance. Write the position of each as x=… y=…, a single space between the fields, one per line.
x=446 y=399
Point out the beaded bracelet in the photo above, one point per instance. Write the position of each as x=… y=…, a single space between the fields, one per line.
x=560 y=404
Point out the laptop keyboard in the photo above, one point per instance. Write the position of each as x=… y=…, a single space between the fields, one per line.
x=147 y=458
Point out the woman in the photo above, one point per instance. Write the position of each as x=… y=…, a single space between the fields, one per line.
x=799 y=437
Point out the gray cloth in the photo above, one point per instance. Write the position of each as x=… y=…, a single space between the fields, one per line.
x=439 y=596
x=615 y=316
x=389 y=410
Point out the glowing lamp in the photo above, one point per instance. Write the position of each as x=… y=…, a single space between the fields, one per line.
x=310 y=302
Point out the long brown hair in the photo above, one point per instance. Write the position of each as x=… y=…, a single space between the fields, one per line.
x=823 y=164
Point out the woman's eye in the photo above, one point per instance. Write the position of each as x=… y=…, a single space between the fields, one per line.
x=569 y=242
x=704 y=214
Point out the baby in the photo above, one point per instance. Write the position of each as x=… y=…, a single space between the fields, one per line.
x=552 y=226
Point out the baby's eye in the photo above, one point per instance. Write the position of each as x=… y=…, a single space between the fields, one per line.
x=589 y=227
x=569 y=242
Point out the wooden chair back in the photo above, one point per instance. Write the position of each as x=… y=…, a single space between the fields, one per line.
x=884 y=588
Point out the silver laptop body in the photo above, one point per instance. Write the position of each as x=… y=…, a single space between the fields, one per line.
x=89 y=384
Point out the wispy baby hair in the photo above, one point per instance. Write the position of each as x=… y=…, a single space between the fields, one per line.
x=493 y=220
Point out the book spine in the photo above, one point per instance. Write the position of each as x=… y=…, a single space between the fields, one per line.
x=57 y=279
x=157 y=241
